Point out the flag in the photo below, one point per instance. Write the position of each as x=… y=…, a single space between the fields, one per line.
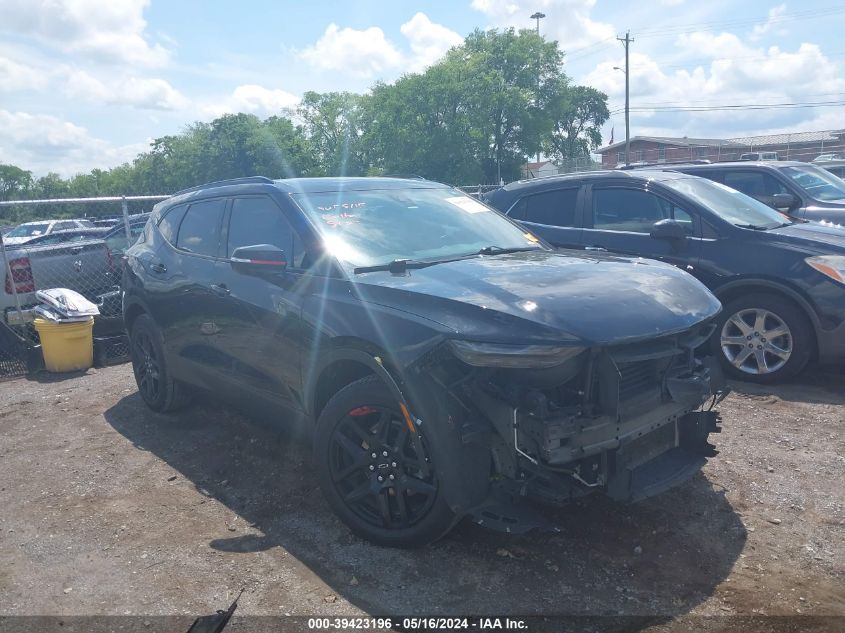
x=611 y=136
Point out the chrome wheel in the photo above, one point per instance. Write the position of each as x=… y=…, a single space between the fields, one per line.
x=756 y=341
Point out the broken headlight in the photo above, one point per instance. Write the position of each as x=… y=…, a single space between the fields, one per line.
x=513 y=356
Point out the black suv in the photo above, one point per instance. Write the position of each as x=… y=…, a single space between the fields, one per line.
x=447 y=361
x=802 y=190
x=782 y=281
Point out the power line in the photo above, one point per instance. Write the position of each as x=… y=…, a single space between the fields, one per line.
x=701 y=61
x=650 y=104
x=721 y=24
x=732 y=107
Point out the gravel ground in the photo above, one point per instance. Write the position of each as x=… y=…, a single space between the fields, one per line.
x=111 y=509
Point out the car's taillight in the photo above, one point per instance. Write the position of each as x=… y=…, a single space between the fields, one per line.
x=21 y=276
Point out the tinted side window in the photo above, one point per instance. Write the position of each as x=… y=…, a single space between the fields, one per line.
x=634 y=211
x=199 y=231
x=64 y=226
x=169 y=222
x=555 y=208
x=258 y=220
x=753 y=183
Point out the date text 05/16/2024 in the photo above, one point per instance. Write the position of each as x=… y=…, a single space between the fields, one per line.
x=418 y=623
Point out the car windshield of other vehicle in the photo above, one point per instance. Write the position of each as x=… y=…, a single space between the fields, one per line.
x=371 y=228
x=29 y=230
x=730 y=205
x=818 y=183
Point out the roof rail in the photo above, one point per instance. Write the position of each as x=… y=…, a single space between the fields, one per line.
x=231 y=181
x=405 y=176
x=645 y=165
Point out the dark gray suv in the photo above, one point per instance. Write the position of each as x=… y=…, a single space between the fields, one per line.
x=800 y=189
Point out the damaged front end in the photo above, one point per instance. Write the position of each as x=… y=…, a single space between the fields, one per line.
x=628 y=420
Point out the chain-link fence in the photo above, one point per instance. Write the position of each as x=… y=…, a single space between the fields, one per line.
x=78 y=246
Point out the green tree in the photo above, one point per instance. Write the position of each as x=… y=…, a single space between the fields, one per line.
x=333 y=124
x=577 y=114
x=14 y=182
x=473 y=116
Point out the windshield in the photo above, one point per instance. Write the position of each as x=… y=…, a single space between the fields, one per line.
x=818 y=183
x=28 y=230
x=729 y=204
x=367 y=228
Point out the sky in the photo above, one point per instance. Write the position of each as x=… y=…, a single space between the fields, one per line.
x=89 y=83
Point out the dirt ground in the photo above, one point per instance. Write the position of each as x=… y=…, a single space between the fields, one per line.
x=108 y=508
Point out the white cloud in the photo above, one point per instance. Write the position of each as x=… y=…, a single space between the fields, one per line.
x=567 y=21
x=365 y=53
x=45 y=143
x=774 y=16
x=15 y=76
x=368 y=53
x=428 y=41
x=736 y=73
x=253 y=99
x=137 y=92
x=110 y=31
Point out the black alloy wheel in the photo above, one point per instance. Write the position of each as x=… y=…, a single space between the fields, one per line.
x=377 y=469
x=159 y=390
x=145 y=364
x=380 y=473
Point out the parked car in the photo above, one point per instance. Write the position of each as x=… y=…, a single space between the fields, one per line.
x=837 y=170
x=782 y=281
x=802 y=190
x=26 y=231
x=823 y=158
x=756 y=156
x=446 y=361
x=84 y=266
x=64 y=236
x=115 y=237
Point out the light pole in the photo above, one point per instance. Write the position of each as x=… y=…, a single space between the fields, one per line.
x=626 y=41
x=538 y=16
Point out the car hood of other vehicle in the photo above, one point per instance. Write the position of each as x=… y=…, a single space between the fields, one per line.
x=816 y=237
x=543 y=296
x=10 y=241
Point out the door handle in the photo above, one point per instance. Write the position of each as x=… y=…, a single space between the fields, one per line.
x=158 y=267
x=220 y=289
x=595 y=248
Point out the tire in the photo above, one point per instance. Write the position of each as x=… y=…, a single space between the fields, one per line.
x=158 y=389
x=350 y=430
x=746 y=352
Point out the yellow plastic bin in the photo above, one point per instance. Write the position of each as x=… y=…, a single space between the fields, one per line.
x=66 y=346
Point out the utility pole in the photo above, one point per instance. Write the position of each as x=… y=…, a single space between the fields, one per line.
x=538 y=16
x=626 y=41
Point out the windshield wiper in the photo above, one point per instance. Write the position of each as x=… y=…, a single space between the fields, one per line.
x=756 y=227
x=397 y=266
x=499 y=250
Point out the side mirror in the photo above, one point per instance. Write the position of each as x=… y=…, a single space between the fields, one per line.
x=259 y=259
x=785 y=201
x=668 y=230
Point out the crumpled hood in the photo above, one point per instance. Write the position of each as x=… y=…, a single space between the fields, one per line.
x=543 y=296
